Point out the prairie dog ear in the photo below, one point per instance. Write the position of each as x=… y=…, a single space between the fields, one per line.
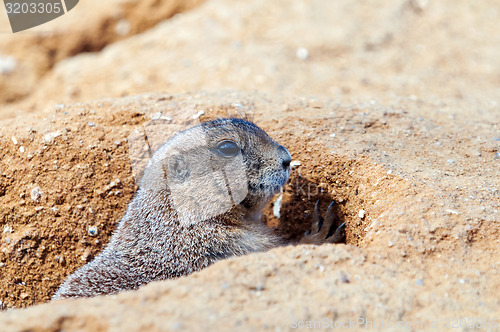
x=178 y=168
x=203 y=184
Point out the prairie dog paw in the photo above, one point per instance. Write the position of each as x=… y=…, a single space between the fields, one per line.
x=327 y=230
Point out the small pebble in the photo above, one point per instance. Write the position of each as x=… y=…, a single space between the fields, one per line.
x=122 y=27
x=36 y=193
x=343 y=278
x=197 y=115
x=14 y=140
x=295 y=163
x=302 y=53
x=21 y=149
x=92 y=230
x=85 y=256
x=7 y=64
x=91 y=124
x=361 y=214
x=49 y=138
x=176 y=326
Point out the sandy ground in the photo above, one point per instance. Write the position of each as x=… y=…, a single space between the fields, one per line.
x=392 y=108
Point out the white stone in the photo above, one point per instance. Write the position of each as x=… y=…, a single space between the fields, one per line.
x=302 y=53
x=7 y=65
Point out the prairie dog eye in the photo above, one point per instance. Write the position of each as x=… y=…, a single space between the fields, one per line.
x=228 y=149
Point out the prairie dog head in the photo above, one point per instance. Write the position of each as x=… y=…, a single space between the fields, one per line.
x=210 y=168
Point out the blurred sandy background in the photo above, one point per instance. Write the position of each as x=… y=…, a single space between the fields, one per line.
x=392 y=107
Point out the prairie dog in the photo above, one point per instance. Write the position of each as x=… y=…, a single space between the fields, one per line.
x=200 y=200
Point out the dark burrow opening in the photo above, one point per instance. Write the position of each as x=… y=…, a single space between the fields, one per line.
x=342 y=181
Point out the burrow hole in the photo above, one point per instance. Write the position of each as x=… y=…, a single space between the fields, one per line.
x=354 y=184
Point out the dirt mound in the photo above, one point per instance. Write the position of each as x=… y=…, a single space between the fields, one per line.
x=414 y=232
x=352 y=52
x=390 y=109
x=27 y=56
